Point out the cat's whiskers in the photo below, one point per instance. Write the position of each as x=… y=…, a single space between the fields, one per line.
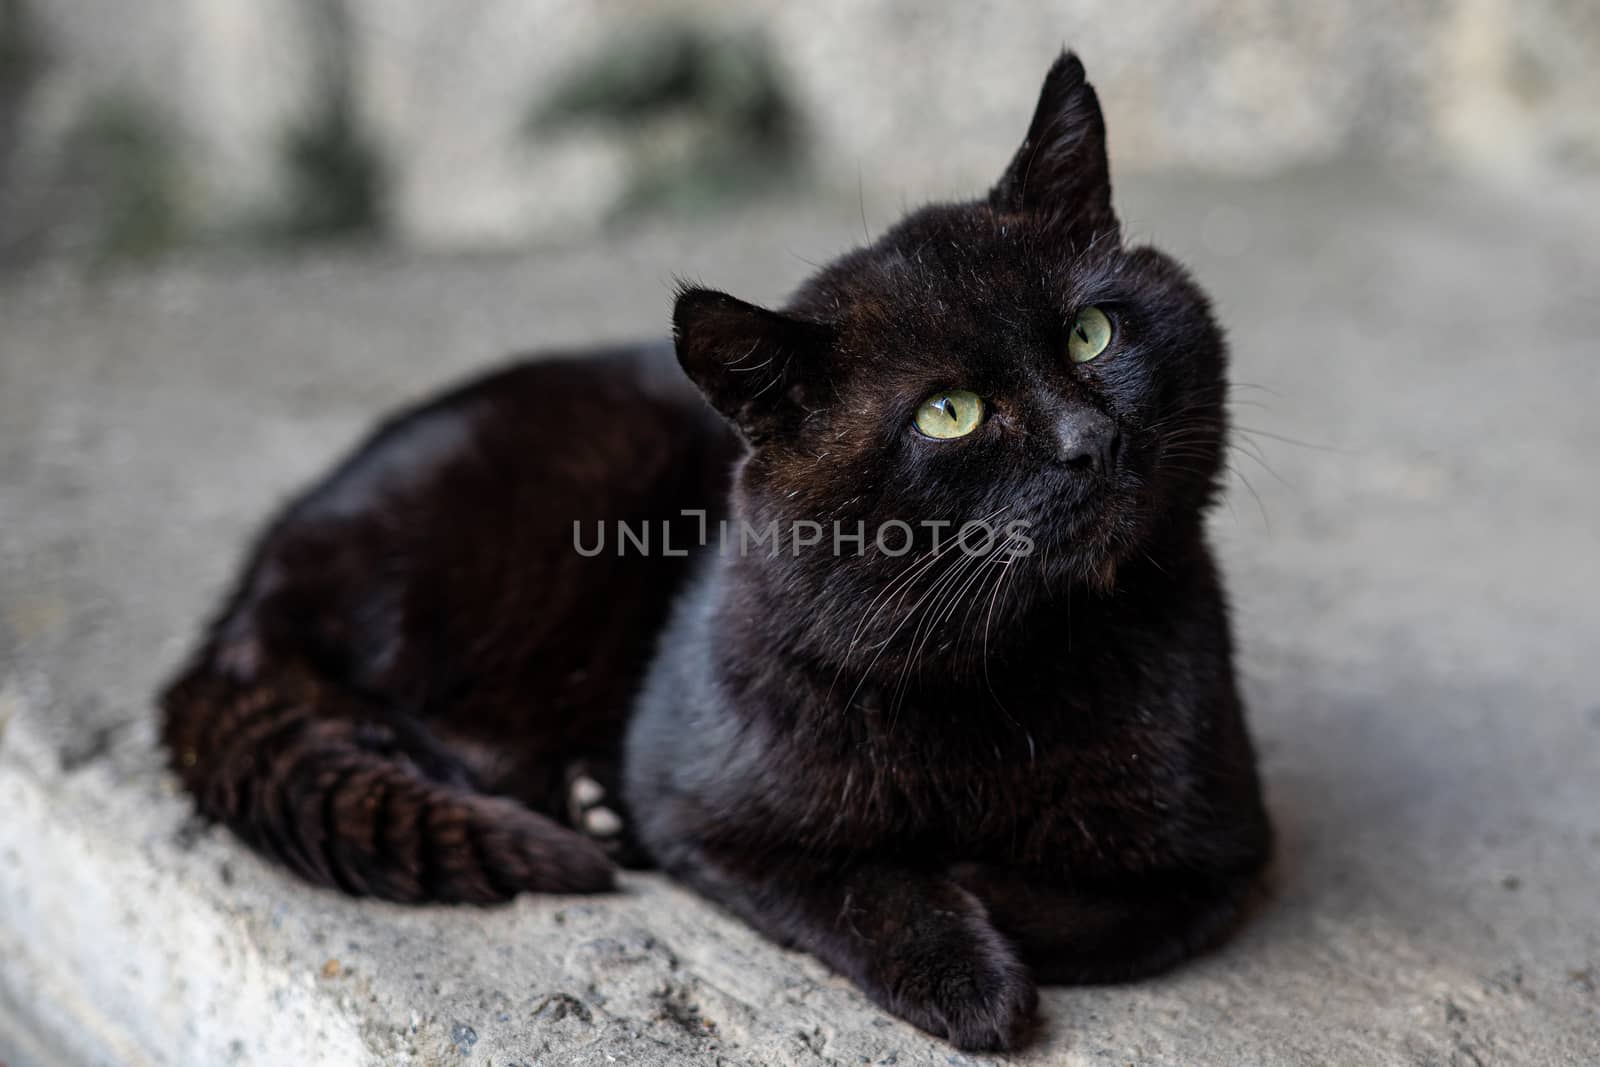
x=1183 y=427
x=972 y=567
x=1152 y=561
x=1173 y=461
x=1237 y=385
x=1260 y=460
x=1260 y=506
x=997 y=559
x=900 y=582
x=948 y=582
x=887 y=641
x=1253 y=449
x=913 y=571
x=1000 y=582
x=987 y=559
x=1251 y=431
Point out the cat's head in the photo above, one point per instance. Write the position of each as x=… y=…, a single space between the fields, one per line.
x=1005 y=360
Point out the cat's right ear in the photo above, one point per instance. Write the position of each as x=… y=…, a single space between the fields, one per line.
x=1061 y=171
x=761 y=369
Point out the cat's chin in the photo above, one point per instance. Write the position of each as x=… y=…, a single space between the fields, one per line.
x=1095 y=570
x=1089 y=535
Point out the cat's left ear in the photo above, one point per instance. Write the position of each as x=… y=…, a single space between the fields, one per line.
x=762 y=369
x=1061 y=169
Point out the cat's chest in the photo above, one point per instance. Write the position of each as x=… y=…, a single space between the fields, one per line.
x=1003 y=790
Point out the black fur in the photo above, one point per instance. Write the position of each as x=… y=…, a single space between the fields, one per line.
x=948 y=773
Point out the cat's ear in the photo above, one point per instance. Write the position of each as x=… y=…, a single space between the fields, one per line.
x=758 y=367
x=1061 y=170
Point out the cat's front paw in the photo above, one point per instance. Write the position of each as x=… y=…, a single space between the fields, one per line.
x=979 y=996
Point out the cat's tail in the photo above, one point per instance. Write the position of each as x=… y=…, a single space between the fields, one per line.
x=314 y=777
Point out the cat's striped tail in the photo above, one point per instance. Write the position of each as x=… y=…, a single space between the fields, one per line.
x=314 y=777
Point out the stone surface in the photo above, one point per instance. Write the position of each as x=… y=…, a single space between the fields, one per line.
x=1415 y=590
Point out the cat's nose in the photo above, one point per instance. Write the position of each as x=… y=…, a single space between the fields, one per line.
x=1087 y=440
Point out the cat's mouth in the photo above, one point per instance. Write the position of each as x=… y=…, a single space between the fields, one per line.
x=1081 y=525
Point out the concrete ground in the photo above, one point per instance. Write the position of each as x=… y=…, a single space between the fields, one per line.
x=1417 y=584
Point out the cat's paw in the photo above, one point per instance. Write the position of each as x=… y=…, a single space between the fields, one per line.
x=587 y=808
x=593 y=811
x=979 y=996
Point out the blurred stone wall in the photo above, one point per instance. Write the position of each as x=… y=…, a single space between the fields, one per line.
x=230 y=112
x=200 y=90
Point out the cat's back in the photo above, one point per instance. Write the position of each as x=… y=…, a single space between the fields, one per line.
x=613 y=415
x=450 y=535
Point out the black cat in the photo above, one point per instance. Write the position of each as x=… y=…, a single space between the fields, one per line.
x=946 y=697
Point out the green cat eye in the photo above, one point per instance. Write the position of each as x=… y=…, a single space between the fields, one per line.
x=951 y=413
x=1089 y=336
